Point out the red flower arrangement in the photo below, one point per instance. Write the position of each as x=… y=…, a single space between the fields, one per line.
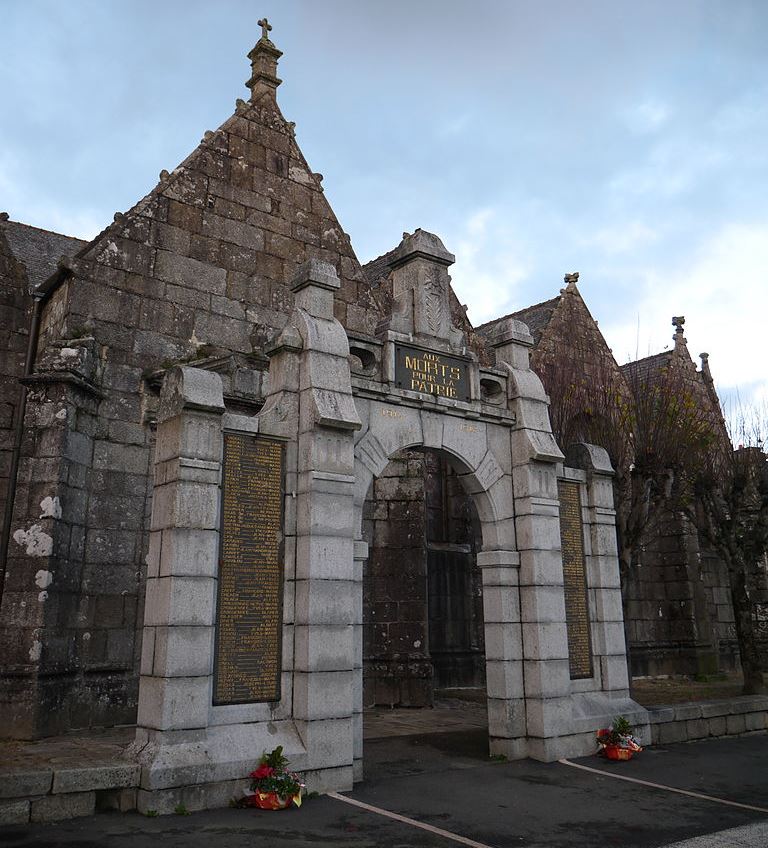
x=273 y=787
x=617 y=742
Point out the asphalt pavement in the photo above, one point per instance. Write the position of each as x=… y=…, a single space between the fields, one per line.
x=445 y=781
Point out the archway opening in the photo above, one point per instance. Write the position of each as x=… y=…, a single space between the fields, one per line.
x=423 y=631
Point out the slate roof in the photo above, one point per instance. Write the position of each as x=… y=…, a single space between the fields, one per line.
x=39 y=250
x=378 y=268
x=642 y=369
x=536 y=317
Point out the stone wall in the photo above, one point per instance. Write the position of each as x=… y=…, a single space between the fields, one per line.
x=15 y=308
x=670 y=622
x=198 y=269
x=677 y=600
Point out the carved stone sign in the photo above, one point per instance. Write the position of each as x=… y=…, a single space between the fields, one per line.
x=247 y=658
x=431 y=373
x=575 y=580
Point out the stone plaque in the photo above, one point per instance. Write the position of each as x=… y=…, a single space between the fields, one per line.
x=431 y=373
x=575 y=580
x=248 y=651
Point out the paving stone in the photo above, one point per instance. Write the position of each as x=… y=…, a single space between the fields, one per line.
x=14 y=812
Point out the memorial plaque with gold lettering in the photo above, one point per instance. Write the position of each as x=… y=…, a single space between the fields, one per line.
x=575 y=580
x=248 y=651
x=431 y=373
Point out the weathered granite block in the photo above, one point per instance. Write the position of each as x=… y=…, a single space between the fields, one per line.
x=68 y=780
x=54 y=808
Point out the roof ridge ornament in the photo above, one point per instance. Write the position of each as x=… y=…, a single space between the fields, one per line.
x=677 y=323
x=264 y=57
x=266 y=28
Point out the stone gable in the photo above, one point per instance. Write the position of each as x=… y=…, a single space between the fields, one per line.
x=198 y=270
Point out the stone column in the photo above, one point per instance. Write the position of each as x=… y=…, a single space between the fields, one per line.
x=324 y=679
x=603 y=580
x=537 y=523
x=503 y=652
x=49 y=631
x=182 y=563
x=360 y=558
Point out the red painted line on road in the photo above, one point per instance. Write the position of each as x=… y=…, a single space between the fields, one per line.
x=665 y=788
x=462 y=840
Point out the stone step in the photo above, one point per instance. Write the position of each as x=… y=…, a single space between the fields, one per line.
x=64 y=777
x=55 y=794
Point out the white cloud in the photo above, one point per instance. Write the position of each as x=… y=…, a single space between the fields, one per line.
x=671 y=168
x=621 y=238
x=646 y=116
x=489 y=265
x=39 y=210
x=723 y=295
x=455 y=125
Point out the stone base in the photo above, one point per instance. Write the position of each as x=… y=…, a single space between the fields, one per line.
x=589 y=712
x=594 y=710
x=511 y=749
x=204 y=796
x=218 y=754
x=209 y=768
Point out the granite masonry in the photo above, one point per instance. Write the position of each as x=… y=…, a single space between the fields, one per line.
x=253 y=487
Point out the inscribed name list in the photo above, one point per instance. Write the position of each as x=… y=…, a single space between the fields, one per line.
x=431 y=373
x=575 y=580
x=248 y=652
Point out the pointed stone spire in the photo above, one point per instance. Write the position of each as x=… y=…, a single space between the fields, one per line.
x=709 y=382
x=264 y=56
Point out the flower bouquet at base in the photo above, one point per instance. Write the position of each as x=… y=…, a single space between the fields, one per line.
x=617 y=742
x=273 y=787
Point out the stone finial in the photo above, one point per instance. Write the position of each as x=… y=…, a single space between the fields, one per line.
x=511 y=330
x=190 y=388
x=315 y=272
x=677 y=323
x=4 y=216
x=314 y=285
x=590 y=458
x=573 y=277
x=424 y=245
x=266 y=28
x=420 y=286
x=264 y=57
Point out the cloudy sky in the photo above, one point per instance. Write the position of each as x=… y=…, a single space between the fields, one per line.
x=623 y=140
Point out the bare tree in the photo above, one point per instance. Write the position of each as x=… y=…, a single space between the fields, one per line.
x=650 y=417
x=661 y=423
x=730 y=508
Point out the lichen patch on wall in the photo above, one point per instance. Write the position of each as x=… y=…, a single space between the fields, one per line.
x=50 y=507
x=43 y=579
x=35 y=540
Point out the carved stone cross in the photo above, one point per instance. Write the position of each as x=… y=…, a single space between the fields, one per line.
x=266 y=28
x=677 y=323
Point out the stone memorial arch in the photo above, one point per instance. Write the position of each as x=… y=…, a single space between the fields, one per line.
x=254 y=609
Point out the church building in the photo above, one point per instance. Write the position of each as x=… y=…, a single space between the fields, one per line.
x=253 y=487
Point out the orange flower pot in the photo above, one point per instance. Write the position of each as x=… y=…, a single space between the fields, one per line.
x=616 y=752
x=270 y=801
